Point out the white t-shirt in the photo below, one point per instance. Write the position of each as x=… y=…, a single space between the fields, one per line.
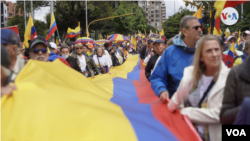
x=203 y=83
x=82 y=62
x=109 y=58
x=103 y=61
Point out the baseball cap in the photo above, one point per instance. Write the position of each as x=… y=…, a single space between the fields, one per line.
x=53 y=45
x=34 y=42
x=71 y=43
x=247 y=32
x=158 y=41
x=230 y=37
x=9 y=36
x=150 y=41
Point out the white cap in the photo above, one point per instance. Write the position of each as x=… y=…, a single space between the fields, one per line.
x=53 y=45
x=230 y=37
x=247 y=32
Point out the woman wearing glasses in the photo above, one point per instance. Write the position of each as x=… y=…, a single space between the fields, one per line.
x=201 y=89
x=101 y=61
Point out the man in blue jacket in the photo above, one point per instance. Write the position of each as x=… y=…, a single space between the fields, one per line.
x=169 y=71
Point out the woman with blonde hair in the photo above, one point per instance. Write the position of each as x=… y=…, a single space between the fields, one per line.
x=200 y=92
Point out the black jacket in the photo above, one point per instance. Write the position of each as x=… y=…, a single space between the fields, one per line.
x=115 y=61
x=150 y=66
x=73 y=63
x=237 y=88
x=143 y=52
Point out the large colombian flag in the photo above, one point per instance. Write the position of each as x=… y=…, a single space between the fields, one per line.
x=53 y=27
x=50 y=104
x=219 y=6
x=30 y=32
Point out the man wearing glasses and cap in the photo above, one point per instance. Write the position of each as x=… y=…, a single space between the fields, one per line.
x=168 y=73
x=246 y=34
x=10 y=41
x=38 y=50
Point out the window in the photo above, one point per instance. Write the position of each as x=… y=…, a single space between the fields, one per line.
x=152 y=12
x=157 y=20
x=153 y=2
x=152 y=20
x=152 y=24
x=157 y=3
x=157 y=15
x=10 y=14
x=157 y=7
x=7 y=4
x=152 y=15
x=157 y=11
x=157 y=24
x=152 y=7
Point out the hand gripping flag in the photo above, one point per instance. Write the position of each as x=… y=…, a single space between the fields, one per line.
x=222 y=4
x=30 y=32
x=53 y=27
x=230 y=57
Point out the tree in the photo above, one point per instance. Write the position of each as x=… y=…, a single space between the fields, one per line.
x=171 y=26
x=19 y=21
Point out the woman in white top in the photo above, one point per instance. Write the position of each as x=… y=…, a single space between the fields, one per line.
x=106 y=53
x=101 y=60
x=201 y=89
x=151 y=53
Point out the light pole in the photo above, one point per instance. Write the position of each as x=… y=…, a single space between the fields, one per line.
x=86 y=18
x=51 y=11
x=32 y=12
x=24 y=13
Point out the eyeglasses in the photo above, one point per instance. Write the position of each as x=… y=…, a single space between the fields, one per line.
x=197 y=27
x=78 y=48
x=36 y=51
x=244 y=35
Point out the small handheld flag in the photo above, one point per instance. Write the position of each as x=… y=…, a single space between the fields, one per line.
x=30 y=32
x=53 y=27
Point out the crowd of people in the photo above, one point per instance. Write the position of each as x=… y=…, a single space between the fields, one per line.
x=189 y=69
x=88 y=59
x=192 y=71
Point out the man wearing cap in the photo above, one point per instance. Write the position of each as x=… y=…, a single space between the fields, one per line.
x=159 y=48
x=145 y=48
x=246 y=34
x=86 y=64
x=10 y=41
x=168 y=73
x=38 y=50
x=71 y=60
x=6 y=87
x=72 y=48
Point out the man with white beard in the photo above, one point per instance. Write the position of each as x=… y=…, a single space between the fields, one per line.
x=38 y=50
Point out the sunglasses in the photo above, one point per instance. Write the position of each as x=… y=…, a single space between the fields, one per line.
x=36 y=51
x=197 y=27
x=78 y=48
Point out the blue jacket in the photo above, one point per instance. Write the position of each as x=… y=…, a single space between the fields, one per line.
x=169 y=70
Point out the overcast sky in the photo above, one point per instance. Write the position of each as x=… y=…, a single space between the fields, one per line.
x=170 y=6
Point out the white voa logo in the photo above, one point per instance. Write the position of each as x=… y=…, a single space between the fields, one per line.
x=236 y=132
x=229 y=16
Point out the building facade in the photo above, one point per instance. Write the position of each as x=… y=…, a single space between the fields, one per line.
x=12 y=10
x=155 y=12
x=4 y=14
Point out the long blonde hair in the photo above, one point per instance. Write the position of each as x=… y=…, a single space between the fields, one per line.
x=199 y=66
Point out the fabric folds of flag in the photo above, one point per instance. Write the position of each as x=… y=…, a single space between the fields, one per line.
x=219 y=6
x=230 y=57
x=118 y=106
x=163 y=37
x=53 y=27
x=30 y=32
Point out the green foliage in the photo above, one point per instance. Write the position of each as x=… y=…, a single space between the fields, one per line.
x=171 y=26
x=19 y=21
